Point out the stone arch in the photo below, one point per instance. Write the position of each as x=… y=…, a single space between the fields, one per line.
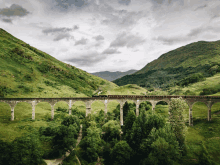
x=162 y=108
x=129 y=105
x=112 y=104
x=215 y=111
x=23 y=110
x=61 y=105
x=145 y=102
x=43 y=110
x=97 y=105
x=79 y=107
x=199 y=111
x=5 y=111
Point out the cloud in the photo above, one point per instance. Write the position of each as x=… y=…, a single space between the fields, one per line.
x=110 y=51
x=7 y=20
x=63 y=36
x=195 y=32
x=124 y=2
x=128 y=40
x=170 y=40
x=14 y=10
x=57 y=30
x=200 y=7
x=87 y=59
x=83 y=41
x=68 y=3
x=76 y=27
x=98 y=38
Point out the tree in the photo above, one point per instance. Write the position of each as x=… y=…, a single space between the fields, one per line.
x=64 y=139
x=90 y=144
x=176 y=107
x=161 y=147
x=69 y=120
x=112 y=130
x=26 y=150
x=121 y=153
x=204 y=157
x=129 y=121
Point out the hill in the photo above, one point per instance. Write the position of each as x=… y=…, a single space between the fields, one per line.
x=110 y=76
x=28 y=72
x=182 y=66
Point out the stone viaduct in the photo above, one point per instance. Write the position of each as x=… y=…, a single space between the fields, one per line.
x=137 y=99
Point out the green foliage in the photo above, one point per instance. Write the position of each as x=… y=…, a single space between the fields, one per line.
x=80 y=114
x=90 y=144
x=111 y=130
x=210 y=90
x=191 y=79
x=128 y=123
x=59 y=109
x=26 y=150
x=64 y=139
x=176 y=107
x=161 y=147
x=121 y=153
x=70 y=120
x=204 y=157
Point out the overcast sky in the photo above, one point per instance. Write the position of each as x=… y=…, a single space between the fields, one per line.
x=110 y=35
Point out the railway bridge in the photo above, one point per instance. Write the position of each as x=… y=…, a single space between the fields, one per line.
x=137 y=99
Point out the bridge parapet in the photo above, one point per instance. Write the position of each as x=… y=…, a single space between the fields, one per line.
x=137 y=99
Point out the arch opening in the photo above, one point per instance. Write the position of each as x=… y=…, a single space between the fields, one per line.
x=162 y=108
x=79 y=109
x=97 y=106
x=199 y=112
x=215 y=112
x=22 y=110
x=5 y=112
x=145 y=106
x=43 y=111
x=61 y=106
x=128 y=106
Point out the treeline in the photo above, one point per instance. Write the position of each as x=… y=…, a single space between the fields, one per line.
x=169 y=77
x=146 y=139
x=46 y=143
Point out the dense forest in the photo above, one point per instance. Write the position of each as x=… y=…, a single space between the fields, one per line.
x=146 y=139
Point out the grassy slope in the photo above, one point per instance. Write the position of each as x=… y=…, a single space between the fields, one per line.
x=29 y=72
x=176 y=65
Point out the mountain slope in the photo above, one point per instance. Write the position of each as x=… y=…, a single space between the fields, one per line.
x=110 y=76
x=199 y=59
x=28 y=72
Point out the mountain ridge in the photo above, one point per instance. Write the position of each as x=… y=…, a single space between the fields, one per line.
x=175 y=65
x=110 y=76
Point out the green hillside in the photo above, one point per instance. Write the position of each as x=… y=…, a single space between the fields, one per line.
x=28 y=72
x=182 y=66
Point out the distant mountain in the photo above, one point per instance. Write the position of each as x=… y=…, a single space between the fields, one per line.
x=28 y=72
x=110 y=76
x=182 y=66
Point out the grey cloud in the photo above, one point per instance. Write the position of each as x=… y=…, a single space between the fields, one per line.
x=98 y=38
x=170 y=41
x=200 y=7
x=76 y=27
x=200 y=30
x=63 y=36
x=14 y=10
x=56 y=30
x=119 y=18
x=68 y=3
x=89 y=59
x=110 y=51
x=125 y=2
x=127 y=40
x=83 y=41
x=7 y=20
